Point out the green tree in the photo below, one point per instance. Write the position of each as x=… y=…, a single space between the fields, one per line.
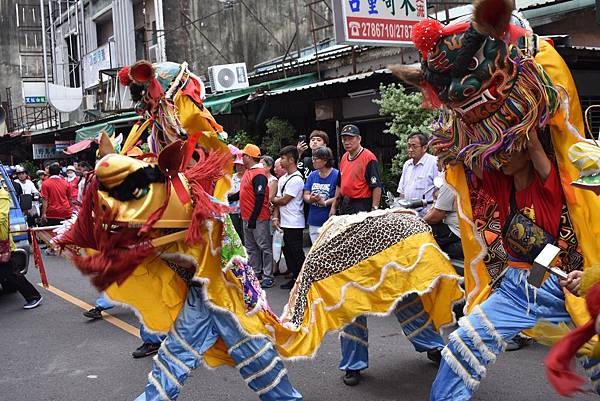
x=30 y=167
x=407 y=117
x=240 y=139
x=279 y=133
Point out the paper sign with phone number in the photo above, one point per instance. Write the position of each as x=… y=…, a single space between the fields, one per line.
x=377 y=22
x=379 y=29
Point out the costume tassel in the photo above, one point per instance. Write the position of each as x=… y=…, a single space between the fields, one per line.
x=201 y=179
x=119 y=253
x=81 y=233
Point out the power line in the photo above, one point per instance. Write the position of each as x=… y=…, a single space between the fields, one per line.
x=207 y=39
x=190 y=22
x=263 y=25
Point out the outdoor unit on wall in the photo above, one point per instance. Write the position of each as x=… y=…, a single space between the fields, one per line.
x=89 y=102
x=228 y=77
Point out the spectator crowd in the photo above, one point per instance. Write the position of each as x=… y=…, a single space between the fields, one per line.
x=301 y=188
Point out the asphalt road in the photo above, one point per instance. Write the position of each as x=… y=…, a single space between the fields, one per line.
x=53 y=353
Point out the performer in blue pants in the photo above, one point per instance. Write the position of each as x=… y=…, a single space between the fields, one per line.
x=416 y=325
x=196 y=329
x=150 y=341
x=514 y=307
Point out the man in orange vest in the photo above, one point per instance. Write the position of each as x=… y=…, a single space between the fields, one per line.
x=256 y=216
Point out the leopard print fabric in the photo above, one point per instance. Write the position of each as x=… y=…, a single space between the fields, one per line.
x=355 y=244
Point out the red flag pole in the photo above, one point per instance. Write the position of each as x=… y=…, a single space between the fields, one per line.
x=37 y=258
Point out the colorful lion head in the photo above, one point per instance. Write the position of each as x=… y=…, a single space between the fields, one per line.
x=483 y=74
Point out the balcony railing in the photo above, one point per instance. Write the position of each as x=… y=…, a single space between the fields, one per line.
x=34 y=118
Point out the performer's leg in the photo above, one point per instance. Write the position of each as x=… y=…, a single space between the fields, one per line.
x=103 y=303
x=191 y=336
x=150 y=338
x=354 y=339
x=482 y=335
x=417 y=325
x=592 y=370
x=257 y=360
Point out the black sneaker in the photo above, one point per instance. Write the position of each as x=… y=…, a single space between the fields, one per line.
x=435 y=356
x=289 y=285
x=146 y=349
x=93 y=313
x=33 y=303
x=352 y=377
x=517 y=342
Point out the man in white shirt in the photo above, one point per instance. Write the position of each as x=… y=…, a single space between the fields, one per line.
x=28 y=188
x=289 y=212
x=26 y=184
x=443 y=219
x=418 y=172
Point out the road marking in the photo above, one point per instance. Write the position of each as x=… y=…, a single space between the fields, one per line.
x=85 y=306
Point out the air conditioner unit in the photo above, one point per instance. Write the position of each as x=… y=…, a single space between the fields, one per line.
x=228 y=77
x=153 y=54
x=89 y=102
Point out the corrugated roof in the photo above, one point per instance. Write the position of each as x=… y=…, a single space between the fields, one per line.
x=220 y=103
x=531 y=9
x=326 y=83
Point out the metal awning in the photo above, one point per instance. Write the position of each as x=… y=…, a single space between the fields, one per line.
x=221 y=103
x=91 y=132
x=341 y=80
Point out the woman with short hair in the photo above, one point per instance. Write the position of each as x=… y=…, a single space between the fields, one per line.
x=319 y=190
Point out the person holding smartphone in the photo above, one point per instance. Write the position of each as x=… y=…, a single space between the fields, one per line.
x=316 y=140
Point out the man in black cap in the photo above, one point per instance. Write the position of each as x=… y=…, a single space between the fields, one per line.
x=359 y=185
x=359 y=190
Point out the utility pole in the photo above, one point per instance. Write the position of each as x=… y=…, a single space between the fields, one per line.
x=45 y=55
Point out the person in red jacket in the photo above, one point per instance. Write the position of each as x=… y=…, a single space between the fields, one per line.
x=56 y=198
x=256 y=216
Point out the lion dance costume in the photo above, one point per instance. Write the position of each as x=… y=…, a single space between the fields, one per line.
x=586 y=157
x=158 y=238
x=495 y=81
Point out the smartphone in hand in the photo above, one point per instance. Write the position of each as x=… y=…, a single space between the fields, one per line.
x=302 y=138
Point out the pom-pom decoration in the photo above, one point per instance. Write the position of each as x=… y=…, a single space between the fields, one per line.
x=425 y=35
x=124 y=78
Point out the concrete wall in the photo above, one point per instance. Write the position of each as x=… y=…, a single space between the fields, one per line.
x=10 y=76
x=237 y=35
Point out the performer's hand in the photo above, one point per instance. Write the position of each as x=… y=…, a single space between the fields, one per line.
x=573 y=282
x=533 y=141
x=332 y=211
